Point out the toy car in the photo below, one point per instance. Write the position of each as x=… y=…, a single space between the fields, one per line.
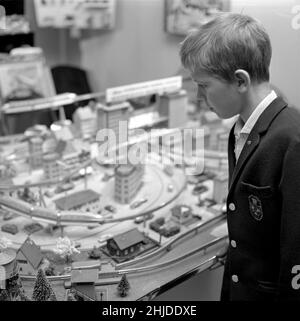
x=10 y=228
x=201 y=178
x=207 y=202
x=169 y=170
x=193 y=180
x=64 y=187
x=110 y=208
x=49 y=193
x=138 y=203
x=107 y=177
x=199 y=189
x=141 y=219
x=210 y=175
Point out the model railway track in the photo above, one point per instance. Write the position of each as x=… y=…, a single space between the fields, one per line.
x=14 y=187
x=203 y=248
x=65 y=218
x=169 y=245
x=65 y=99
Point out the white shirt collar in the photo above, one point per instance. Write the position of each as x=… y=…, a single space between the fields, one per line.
x=241 y=128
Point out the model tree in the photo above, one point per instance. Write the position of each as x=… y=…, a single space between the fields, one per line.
x=4 y=295
x=66 y=248
x=95 y=253
x=42 y=290
x=14 y=287
x=50 y=270
x=52 y=297
x=24 y=297
x=123 y=286
x=71 y=296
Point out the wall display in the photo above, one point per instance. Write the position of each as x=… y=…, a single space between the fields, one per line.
x=80 y=14
x=160 y=86
x=20 y=80
x=14 y=24
x=181 y=16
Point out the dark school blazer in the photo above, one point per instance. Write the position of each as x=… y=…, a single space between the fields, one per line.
x=263 y=210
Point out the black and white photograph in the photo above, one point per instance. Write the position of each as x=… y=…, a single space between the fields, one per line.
x=150 y=151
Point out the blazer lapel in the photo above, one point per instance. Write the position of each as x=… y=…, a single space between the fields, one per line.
x=248 y=149
x=253 y=140
x=231 y=154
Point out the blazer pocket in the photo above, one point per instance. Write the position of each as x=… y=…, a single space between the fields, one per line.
x=261 y=191
x=267 y=286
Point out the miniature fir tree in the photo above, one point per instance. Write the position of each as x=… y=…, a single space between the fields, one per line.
x=123 y=286
x=4 y=295
x=14 y=287
x=42 y=289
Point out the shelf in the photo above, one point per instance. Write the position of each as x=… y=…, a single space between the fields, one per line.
x=11 y=41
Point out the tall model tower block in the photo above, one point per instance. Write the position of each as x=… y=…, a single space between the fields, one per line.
x=174 y=106
x=35 y=148
x=110 y=116
x=52 y=167
x=115 y=118
x=128 y=181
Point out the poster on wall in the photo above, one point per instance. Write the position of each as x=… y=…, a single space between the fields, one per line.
x=24 y=80
x=182 y=16
x=80 y=14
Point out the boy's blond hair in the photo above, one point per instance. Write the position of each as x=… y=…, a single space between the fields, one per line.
x=229 y=42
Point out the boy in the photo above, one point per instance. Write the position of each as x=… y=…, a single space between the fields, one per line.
x=229 y=60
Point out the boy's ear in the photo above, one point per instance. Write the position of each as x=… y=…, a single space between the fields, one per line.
x=242 y=80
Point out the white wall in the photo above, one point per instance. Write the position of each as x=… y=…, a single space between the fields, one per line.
x=58 y=46
x=138 y=49
x=277 y=16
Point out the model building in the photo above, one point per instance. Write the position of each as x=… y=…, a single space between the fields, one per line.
x=8 y=267
x=85 y=121
x=29 y=257
x=99 y=215
x=83 y=282
x=128 y=181
x=53 y=168
x=174 y=106
x=125 y=243
x=86 y=200
x=35 y=152
x=109 y=117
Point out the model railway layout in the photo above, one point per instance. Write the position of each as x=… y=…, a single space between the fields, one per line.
x=88 y=216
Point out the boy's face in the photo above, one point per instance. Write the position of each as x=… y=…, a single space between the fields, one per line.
x=219 y=95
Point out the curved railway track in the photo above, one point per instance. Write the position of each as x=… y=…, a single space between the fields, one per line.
x=121 y=268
